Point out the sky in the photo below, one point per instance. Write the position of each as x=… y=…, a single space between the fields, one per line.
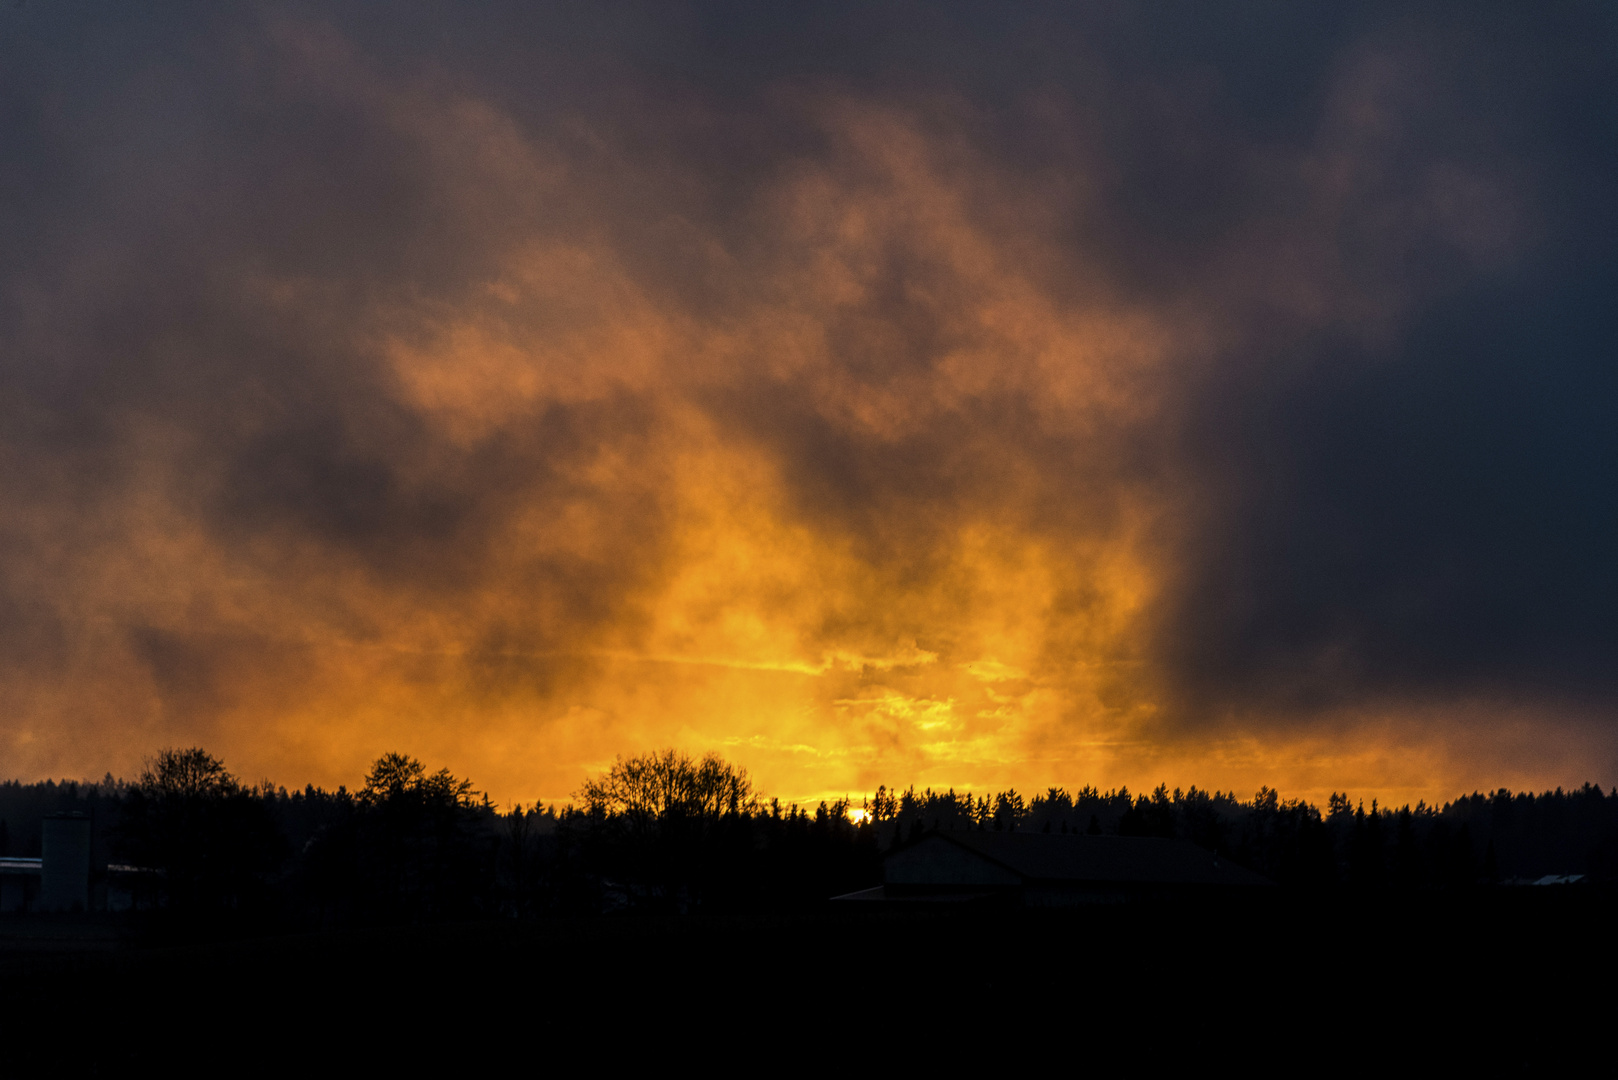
x=958 y=395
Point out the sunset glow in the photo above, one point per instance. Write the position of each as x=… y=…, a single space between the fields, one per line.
x=1080 y=421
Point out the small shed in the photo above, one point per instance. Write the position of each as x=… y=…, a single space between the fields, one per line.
x=1052 y=870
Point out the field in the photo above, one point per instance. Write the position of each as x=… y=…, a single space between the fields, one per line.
x=1498 y=979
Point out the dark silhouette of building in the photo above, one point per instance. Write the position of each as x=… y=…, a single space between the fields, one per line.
x=19 y=883
x=1051 y=870
x=65 y=866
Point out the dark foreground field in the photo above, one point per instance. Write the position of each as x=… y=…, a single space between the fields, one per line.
x=1507 y=979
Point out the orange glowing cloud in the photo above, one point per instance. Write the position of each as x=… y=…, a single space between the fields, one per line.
x=814 y=428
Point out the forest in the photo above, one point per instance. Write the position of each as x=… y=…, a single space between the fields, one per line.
x=671 y=834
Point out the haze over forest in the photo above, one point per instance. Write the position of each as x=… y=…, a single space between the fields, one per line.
x=967 y=396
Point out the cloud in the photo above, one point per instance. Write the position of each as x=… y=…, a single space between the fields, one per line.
x=1028 y=398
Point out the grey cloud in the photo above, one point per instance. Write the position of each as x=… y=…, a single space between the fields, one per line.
x=1378 y=240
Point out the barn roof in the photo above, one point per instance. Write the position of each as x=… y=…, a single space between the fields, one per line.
x=1074 y=857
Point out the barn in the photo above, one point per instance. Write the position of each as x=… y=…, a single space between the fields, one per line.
x=1052 y=870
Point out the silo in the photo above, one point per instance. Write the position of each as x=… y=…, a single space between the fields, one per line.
x=65 y=874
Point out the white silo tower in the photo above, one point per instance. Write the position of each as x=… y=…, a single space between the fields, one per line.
x=65 y=871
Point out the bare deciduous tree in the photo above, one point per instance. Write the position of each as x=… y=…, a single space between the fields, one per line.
x=651 y=790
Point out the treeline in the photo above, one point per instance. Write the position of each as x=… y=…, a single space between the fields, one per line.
x=665 y=832
x=657 y=833
x=1477 y=839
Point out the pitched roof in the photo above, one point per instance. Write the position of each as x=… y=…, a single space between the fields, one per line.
x=1074 y=857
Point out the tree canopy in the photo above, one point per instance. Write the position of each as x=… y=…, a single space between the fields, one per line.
x=397 y=778
x=216 y=842
x=192 y=773
x=654 y=789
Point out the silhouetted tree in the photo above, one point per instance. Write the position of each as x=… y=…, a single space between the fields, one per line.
x=667 y=829
x=215 y=842
x=656 y=792
x=410 y=845
x=522 y=835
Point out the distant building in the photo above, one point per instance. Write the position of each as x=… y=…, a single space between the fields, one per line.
x=64 y=883
x=57 y=881
x=1051 y=870
x=60 y=880
x=19 y=883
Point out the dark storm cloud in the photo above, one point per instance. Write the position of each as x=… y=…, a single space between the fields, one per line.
x=1432 y=512
x=1439 y=516
x=1271 y=346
